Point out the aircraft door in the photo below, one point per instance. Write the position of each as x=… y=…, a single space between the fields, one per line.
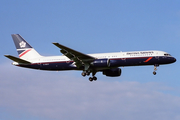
x=123 y=60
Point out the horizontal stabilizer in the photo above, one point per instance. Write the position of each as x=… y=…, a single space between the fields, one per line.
x=18 y=60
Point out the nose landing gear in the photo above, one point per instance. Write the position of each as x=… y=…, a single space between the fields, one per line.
x=155 y=69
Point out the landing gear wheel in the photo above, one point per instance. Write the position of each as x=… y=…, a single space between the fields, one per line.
x=154 y=73
x=94 y=78
x=87 y=73
x=90 y=79
x=83 y=74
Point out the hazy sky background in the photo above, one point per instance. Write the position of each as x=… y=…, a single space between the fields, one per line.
x=90 y=27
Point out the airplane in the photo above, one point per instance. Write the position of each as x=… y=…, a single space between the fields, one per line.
x=107 y=63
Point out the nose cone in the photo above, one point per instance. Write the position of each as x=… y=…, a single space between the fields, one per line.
x=170 y=60
x=174 y=59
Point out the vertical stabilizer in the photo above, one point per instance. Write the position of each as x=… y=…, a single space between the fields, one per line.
x=24 y=50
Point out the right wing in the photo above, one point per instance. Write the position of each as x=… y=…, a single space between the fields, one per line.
x=18 y=60
x=79 y=58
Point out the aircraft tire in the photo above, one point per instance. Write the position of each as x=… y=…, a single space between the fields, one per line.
x=94 y=78
x=154 y=73
x=90 y=79
x=87 y=73
x=83 y=74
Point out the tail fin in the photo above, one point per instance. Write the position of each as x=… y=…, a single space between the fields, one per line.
x=24 y=50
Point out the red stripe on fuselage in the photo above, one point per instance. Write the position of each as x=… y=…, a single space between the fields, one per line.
x=148 y=59
x=24 y=52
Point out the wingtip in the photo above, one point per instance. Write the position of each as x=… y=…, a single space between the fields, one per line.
x=14 y=34
x=6 y=55
x=55 y=43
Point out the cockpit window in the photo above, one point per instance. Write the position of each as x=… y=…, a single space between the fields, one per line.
x=167 y=54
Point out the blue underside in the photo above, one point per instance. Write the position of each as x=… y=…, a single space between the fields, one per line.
x=58 y=66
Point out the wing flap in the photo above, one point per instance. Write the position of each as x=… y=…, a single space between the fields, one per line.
x=18 y=60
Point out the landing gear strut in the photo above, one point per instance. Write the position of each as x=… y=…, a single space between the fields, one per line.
x=155 y=69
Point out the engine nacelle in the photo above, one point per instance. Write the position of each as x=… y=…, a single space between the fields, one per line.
x=115 y=72
x=101 y=63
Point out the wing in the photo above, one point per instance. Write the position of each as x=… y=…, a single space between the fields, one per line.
x=79 y=58
x=18 y=60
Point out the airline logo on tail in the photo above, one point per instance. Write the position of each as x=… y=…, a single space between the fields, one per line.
x=22 y=44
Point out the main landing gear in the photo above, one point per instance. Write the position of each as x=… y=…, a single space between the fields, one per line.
x=92 y=78
x=85 y=73
x=88 y=73
x=155 y=69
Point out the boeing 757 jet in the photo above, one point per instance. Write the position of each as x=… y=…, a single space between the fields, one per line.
x=107 y=63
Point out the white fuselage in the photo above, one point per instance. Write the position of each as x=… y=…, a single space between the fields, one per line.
x=114 y=55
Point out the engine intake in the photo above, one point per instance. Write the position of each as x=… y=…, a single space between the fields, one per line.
x=115 y=72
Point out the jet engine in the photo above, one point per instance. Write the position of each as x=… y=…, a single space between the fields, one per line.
x=101 y=63
x=115 y=72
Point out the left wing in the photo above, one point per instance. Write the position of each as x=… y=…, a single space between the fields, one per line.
x=79 y=58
